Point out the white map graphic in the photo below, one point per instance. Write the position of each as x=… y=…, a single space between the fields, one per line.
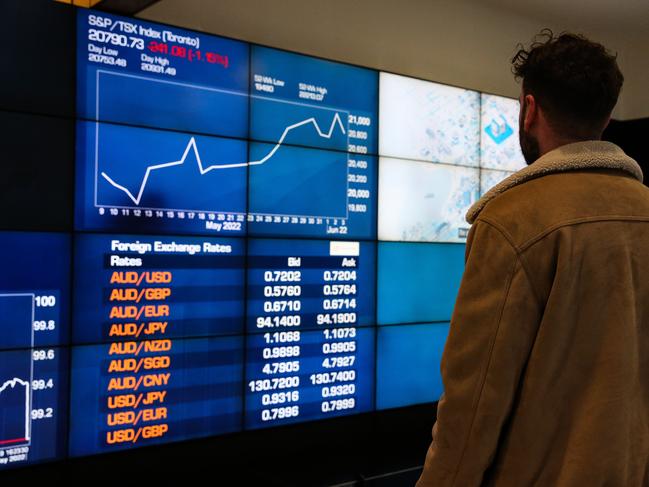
x=428 y=121
x=499 y=145
x=489 y=178
x=424 y=202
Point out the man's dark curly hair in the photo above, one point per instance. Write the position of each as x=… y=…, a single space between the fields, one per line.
x=575 y=81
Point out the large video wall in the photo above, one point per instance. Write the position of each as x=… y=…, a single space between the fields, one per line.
x=203 y=236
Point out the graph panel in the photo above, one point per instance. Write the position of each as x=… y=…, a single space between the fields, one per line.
x=420 y=201
x=135 y=287
x=499 y=145
x=296 y=191
x=135 y=72
x=135 y=179
x=34 y=289
x=408 y=361
x=428 y=121
x=306 y=101
x=160 y=391
x=33 y=406
x=417 y=282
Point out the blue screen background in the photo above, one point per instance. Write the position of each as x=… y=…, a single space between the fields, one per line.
x=408 y=364
x=418 y=282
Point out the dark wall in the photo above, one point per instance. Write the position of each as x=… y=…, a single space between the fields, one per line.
x=631 y=136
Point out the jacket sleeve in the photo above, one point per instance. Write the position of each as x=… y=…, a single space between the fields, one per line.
x=492 y=331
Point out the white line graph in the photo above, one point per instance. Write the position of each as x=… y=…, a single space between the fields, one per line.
x=191 y=146
x=16 y=381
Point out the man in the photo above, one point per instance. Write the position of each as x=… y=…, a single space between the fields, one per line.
x=546 y=368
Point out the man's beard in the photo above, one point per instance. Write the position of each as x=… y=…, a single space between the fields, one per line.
x=529 y=143
x=529 y=146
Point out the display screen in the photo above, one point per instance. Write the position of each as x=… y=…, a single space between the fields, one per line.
x=129 y=394
x=247 y=237
x=34 y=289
x=417 y=282
x=408 y=364
x=309 y=192
x=324 y=286
x=298 y=100
x=140 y=73
x=425 y=202
x=134 y=287
x=428 y=121
x=499 y=145
x=34 y=320
x=182 y=179
x=36 y=187
x=298 y=376
x=301 y=100
x=33 y=405
x=310 y=284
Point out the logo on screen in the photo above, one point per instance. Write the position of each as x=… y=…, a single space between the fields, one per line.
x=499 y=130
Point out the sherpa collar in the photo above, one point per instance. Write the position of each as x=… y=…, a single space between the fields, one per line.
x=570 y=157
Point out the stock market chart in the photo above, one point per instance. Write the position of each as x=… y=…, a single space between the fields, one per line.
x=138 y=74
x=301 y=101
x=34 y=319
x=162 y=181
x=260 y=237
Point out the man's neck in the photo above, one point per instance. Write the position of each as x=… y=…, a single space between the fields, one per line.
x=551 y=143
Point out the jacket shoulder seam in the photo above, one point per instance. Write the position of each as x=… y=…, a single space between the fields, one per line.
x=577 y=221
x=519 y=255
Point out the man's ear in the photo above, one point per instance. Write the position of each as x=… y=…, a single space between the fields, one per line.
x=531 y=111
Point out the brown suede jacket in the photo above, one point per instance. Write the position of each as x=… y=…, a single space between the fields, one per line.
x=546 y=368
